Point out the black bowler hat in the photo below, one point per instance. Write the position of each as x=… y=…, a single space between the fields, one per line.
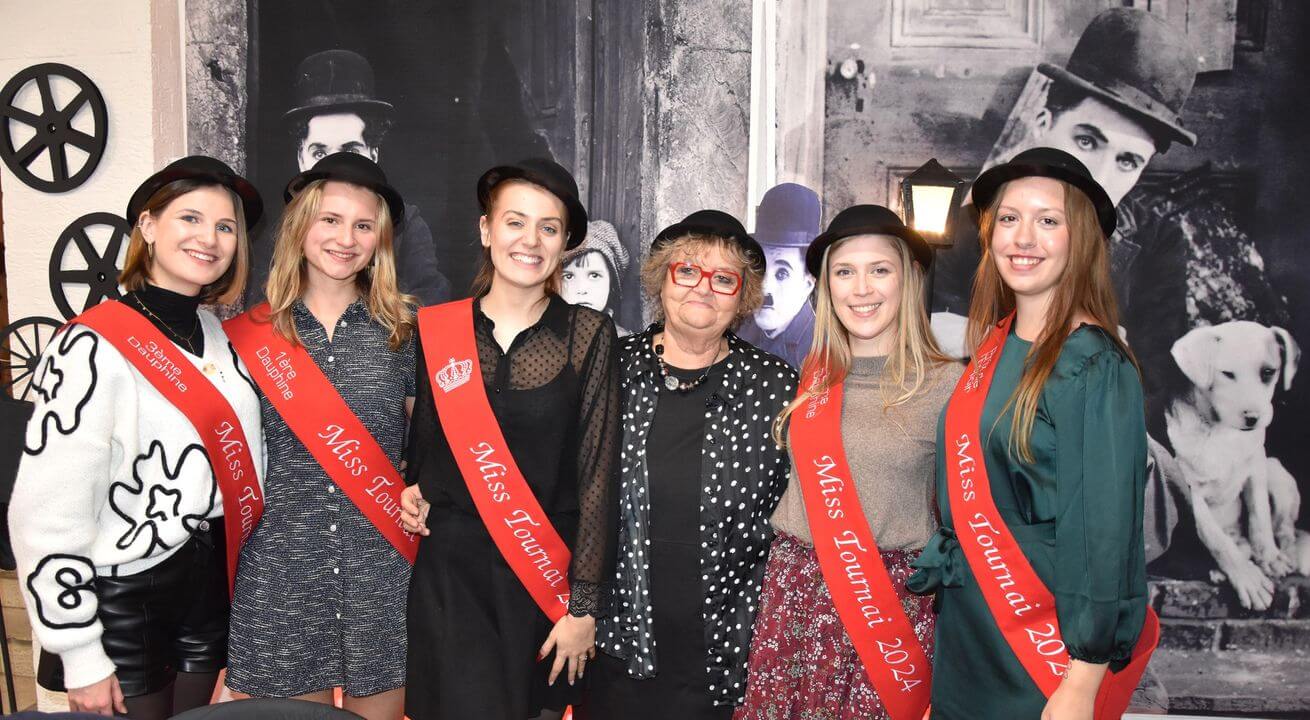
x=789 y=215
x=355 y=169
x=866 y=220
x=1138 y=63
x=718 y=224
x=547 y=174
x=338 y=80
x=1051 y=163
x=204 y=169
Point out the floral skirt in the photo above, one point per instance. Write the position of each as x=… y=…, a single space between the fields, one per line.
x=802 y=663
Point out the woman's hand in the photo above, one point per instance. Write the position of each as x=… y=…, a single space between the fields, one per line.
x=101 y=698
x=574 y=641
x=1075 y=698
x=414 y=510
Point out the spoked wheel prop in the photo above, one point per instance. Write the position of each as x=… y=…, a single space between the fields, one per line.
x=20 y=352
x=51 y=128
x=76 y=261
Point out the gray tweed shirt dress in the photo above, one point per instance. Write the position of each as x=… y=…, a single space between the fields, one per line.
x=320 y=594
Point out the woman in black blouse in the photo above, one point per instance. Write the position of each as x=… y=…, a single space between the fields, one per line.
x=549 y=370
x=699 y=478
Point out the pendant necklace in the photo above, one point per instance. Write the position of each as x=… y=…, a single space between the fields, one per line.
x=672 y=382
x=210 y=368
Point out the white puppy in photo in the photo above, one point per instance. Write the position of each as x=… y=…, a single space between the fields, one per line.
x=1245 y=502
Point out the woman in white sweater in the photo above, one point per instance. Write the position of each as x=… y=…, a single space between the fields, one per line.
x=117 y=514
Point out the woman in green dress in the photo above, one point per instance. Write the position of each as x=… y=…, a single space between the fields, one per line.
x=1062 y=439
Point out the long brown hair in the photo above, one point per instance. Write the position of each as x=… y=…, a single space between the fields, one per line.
x=377 y=283
x=830 y=347
x=228 y=287
x=1083 y=289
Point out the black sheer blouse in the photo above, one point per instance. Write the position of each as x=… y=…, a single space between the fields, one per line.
x=556 y=397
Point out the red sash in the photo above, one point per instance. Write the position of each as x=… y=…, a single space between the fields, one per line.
x=511 y=513
x=322 y=421
x=1021 y=604
x=857 y=580
x=182 y=384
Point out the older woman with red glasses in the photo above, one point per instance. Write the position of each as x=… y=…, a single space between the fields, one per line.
x=699 y=477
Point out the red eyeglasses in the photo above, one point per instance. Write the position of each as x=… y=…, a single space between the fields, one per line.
x=723 y=282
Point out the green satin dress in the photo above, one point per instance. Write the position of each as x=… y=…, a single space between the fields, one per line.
x=1076 y=511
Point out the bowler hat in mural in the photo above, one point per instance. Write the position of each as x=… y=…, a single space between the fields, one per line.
x=204 y=169
x=334 y=80
x=789 y=215
x=1138 y=63
x=355 y=169
x=547 y=174
x=1052 y=163
x=718 y=224
x=866 y=220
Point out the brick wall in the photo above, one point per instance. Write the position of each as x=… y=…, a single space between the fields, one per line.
x=1217 y=656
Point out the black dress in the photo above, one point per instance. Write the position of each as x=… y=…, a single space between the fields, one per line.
x=681 y=687
x=474 y=631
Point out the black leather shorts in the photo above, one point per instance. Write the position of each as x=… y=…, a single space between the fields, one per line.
x=170 y=618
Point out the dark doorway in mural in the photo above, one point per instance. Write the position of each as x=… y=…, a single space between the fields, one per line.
x=438 y=93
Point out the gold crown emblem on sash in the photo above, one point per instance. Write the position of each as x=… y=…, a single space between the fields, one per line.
x=454 y=374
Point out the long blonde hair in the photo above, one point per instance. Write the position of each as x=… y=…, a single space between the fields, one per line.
x=1083 y=288
x=377 y=283
x=830 y=348
x=228 y=287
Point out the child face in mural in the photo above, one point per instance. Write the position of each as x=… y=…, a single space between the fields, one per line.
x=341 y=241
x=193 y=240
x=786 y=288
x=525 y=233
x=1113 y=146
x=1030 y=238
x=333 y=133
x=587 y=281
x=864 y=281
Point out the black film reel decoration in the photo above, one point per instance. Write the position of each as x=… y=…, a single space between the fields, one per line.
x=54 y=129
x=20 y=350
x=100 y=273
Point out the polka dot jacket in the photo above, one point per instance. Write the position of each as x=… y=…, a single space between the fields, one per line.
x=743 y=475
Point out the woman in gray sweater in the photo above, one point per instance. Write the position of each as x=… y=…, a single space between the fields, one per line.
x=836 y=629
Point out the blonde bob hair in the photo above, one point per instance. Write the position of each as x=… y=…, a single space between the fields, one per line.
x=228 y=287
x=907 y=365
x=377 y=283
x=656 y=270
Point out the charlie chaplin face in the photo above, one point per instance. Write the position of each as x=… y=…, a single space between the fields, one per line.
x=333 y=133
x=1113 y=146
x=786 y=288
x=586 y=281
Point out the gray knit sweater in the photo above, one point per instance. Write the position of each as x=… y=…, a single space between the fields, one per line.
x=892 y=454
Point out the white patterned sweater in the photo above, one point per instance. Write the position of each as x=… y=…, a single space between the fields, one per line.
x=113 y=480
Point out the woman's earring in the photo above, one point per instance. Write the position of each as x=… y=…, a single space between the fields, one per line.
x=150 y=250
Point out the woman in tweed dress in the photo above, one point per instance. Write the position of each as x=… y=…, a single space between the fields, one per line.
x=320 y=593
